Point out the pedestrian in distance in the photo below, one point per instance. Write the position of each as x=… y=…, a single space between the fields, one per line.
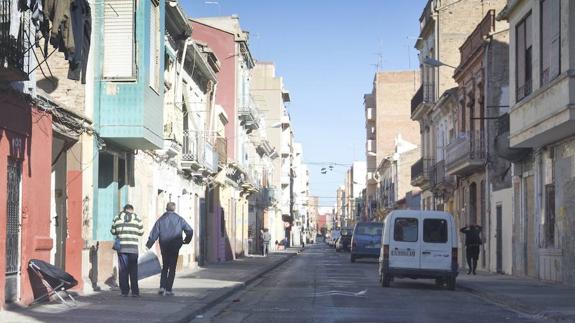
x=267 y=238
x=168 y=229
x=472 y=243
x=128 y=228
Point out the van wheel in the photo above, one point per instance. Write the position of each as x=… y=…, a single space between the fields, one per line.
x=385 y=280
x=451 y=283
x=352 y=258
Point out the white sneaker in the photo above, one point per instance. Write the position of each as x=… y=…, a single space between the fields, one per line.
x=161 y=291
x=170 y=293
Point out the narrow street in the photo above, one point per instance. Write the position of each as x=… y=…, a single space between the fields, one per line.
x=335 y=290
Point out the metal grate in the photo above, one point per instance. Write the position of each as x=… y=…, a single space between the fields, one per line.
x=13 y=221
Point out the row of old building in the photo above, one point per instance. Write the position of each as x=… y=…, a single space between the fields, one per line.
x=139 y=104
x=484 y=130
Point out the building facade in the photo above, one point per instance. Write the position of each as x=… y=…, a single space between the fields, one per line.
x=387 y=115
x=541 y=60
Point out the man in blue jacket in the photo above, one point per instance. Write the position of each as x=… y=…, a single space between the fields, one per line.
x=168 y=229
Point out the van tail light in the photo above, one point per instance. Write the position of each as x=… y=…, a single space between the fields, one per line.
x=454 y=263
x=385 y=252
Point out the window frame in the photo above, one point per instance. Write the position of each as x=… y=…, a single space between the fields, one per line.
x=446 y=230
x=416 y=231
x=550 y=78
x=154 y=52
x=526 y=93
x=110 y=74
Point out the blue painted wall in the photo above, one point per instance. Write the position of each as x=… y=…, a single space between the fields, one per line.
x=131 y=119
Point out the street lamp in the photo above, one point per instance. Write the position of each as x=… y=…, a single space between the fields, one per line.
x=429 y=61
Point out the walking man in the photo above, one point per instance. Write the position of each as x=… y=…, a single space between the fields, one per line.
x=169 y=228
x=267 y=237
x=128 y=228
x=472 y=244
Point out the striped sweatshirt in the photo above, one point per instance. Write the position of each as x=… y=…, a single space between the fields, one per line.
x=128 y=228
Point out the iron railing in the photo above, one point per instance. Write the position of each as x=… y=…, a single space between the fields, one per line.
x=468 y=146
x=14 y=60
x=420 y=169
x=417 y=99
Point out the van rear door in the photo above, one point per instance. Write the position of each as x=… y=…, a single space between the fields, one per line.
x=436 y=242
x=404 y=241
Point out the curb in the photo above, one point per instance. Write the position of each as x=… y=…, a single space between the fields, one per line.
x=513 y=305
x=185 y=316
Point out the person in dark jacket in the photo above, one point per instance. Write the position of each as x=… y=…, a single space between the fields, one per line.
x=168 y=229
x=472 y=244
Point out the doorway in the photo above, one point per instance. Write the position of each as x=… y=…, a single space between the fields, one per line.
x=499 y=238
x=13 y=230
x=58 y=213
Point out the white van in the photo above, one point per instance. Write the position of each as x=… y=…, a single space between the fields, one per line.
x=419 y=244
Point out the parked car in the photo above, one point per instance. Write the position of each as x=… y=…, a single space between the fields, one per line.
x=419 y=244
x=333 y=238
x=344 y=241
x=366 y=240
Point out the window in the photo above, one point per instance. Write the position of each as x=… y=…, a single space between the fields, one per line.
x=369 y=229
x=523 y=58
x=154 y=54
x=550 y=40
x=550 y=215
x=435 y=230
x=119 y=39
x=405 y=230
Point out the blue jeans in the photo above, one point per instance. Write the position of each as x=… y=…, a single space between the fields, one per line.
x=128 y=276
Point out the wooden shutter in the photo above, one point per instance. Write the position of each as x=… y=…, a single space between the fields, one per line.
x=119 y=39
x=550 y=40
x=555 y=37
x=520 y=59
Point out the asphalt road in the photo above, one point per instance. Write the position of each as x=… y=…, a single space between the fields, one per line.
x=320 y=285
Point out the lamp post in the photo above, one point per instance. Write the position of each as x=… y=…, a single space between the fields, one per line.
x=429 y=61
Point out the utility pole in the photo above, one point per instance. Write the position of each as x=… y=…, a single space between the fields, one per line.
x=291 y=201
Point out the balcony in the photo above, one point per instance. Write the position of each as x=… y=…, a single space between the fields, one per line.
x=249 y=115
x=370 y=146
x=285 y=180
x=198 y=154
x=417 y=99
x=14 y=54
x=370 y=114
x=420 y=172
x=440 y=180
x=210 y=158
x=466 y=153
x=425 y=95
x=192 y=151
x=285 y=151
x=221 y=149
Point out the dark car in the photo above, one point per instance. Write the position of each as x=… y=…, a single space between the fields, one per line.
x=366 y=240
x=344 y=241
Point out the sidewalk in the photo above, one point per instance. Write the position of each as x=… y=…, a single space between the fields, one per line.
x=195 y=291
x=544 y=300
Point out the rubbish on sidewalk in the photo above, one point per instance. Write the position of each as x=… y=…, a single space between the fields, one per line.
x=48 y=280
x=148 y=265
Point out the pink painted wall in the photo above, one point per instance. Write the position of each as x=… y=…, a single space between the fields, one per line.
x=36 y=131
x=74 y=241
x=224 y=47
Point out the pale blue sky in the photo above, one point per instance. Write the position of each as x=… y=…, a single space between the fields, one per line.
x=326 y=51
